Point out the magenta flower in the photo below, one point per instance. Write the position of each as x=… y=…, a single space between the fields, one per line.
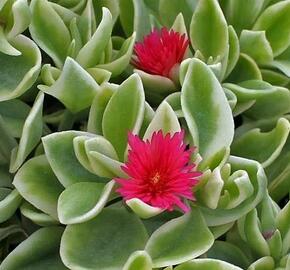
x=160 y=51
x=160 y=172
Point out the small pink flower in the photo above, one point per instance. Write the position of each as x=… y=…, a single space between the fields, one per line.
x=160 y=51
x=160 y=172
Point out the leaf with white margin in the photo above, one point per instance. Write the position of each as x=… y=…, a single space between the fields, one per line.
x=275 y=20
x=209 y=30
x=49 y=31
x=283 y=218
x=83 y=201
x=9 y=202
x=269 y=100
x=188 y=234
x=256 y=45
x=264 y=263
x=206 y=110
x=41 y=194
x=143 y=209
x=234 y=51
x=164 y=119
x=245 y=69
x=21 y=18
x=264 y=147
x=124 y=113
x=121 y=239
x=98 y=107
x=31 y=134
x=138 y=260
x=36 y=216
x=220 y=216
x=14 y=112
x=91 y=52
x=39 y=251
x=6 y=47
x=134 y=16
x=60 y=153
x=75 y=87
x=122 y=59
x=208 y=264
x=19 y=73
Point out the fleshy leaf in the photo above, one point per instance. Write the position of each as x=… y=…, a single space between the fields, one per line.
x=180 y=233
x=208 y=29
x=41 y=194
x=256 y=45
x=264 y=263
x=31 y=134
x=39 y=251
x=49 y=31
x=90 y=54
x=138 y=260
x=142 y=209
x=124 y=113
x=206 y=110
x=164 y=119
x=9 y=202
x=208 y=264
x=60 y=153
x=263 y=147
x=18 y=73
x=121 y=238
x=83 y=201
x=75 y=87
x=275 y=21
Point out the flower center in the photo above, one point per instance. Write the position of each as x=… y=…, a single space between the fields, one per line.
x=155 y=179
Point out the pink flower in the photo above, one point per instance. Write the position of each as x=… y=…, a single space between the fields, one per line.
x=160 y=51
x=160 y=172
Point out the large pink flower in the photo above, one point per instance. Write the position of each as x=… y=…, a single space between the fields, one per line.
x=160 y=172
x=160 y=51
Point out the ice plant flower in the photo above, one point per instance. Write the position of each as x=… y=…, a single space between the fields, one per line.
x=160 y=51
x=160 y=172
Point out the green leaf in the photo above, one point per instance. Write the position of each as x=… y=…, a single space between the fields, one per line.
x=264 y=263
x=21 y=18
x=121 y=239
x=6 y=47
x=283 y=226
x=264 y=147
x=83 y=201
x=180 y=233
x=49 y=31
x=39 y=251
x=269 y=101
x=60 y=153
x=245 y=69
x=41 y=194
x=98 y=107
x=31 y=134
x=36 y=216
x=256 y=45
x=14 y=112
x=256 y=174
x=164 y=119
x=9 y=202
x=18 y=73
x=208 y=264
x=138 y=260
x=242 y=14
x=90 y=54
x=208 y=29
x=143 y=209
x=134 y=17
x=275 y=21
x=124 y=113
x=122 y=58
x=206 y=110
x=168 y=12
x=75 y=87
